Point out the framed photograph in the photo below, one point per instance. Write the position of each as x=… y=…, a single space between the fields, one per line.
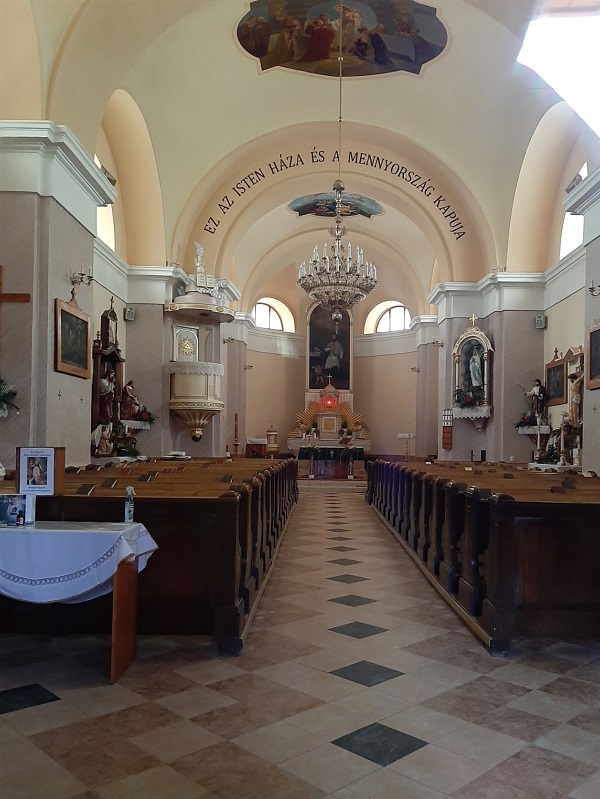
x=593 y=357
x=556 y=383
x=73 y=343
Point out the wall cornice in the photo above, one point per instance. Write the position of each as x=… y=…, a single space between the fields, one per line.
x=42 y=158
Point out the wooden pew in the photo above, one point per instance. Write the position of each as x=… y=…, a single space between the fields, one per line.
x=446 y=516
x=217 y=526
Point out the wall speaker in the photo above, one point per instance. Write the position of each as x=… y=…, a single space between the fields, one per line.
x=540 y=321
x=129 y=313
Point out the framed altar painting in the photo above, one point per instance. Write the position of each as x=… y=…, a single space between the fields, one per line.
x=73 y=341
x=556 y=383
x=593 y=357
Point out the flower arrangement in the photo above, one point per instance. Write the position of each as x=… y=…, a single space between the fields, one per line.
x=527 y=420
x=144 y=415
x=470 y=397
x=7 y=395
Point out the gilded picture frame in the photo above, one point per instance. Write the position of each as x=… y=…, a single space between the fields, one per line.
x=593 y=358
x=556 y=382
x=73 y=340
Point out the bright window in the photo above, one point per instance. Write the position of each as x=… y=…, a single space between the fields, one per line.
x=395 y=318
x=266 y=316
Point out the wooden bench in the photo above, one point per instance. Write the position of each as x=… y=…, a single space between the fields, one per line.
x=217 y=525
x=470 y=529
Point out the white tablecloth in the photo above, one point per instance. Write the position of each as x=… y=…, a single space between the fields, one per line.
x=68 y=561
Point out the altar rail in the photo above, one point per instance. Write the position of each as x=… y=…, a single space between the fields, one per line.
x=515 y=553
x=217 y=525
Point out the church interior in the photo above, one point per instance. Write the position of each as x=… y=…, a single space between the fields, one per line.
x=388 y=255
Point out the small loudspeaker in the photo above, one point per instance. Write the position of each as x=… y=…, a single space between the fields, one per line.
x=129 y=313
x=540 y=321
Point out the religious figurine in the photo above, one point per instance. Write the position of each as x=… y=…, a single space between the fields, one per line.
x=130 y=405
x=101 y=438
x=538 y=398
x=107 y=397
x=576 y=380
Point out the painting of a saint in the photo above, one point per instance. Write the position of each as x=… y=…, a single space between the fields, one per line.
x=375 y=37
x=329 y=351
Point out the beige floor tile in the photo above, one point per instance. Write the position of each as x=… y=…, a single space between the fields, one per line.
x=32 y=720
x=371 y=705
x=195 y=701
x=573 y=742
x=485 y=746
x=548 y=706
x=176 y=740
x=387 y=784
x=102 y=699
x=412 y=687
x=439 y=768
x=209 y=671
x=278 y=742
x=48 y=781
x=328 y=687
x=329 y=767
x=327 y=721
x=429 y=725
x=19 y=754
x=288 y=673
x=589 y=790
x=328 y=660
x=526 y=676
x=156 y=783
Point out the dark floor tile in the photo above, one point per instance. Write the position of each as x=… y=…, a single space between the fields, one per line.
x=25 y=696
x=348 y=578
x=379 y=744
x=338 y=537
x=366 y=673
x=352 y=600
x=342 y=549
x=344 y=562
x=358 y=629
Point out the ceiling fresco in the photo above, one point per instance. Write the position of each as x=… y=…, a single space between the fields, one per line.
x=323 y=205
x=377 y=36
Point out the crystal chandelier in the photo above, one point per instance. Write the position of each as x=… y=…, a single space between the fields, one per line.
x=337 y=280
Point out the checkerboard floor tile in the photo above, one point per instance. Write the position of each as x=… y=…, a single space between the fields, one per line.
x=378 y=693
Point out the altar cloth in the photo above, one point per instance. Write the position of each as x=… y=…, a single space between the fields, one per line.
x=68 y=561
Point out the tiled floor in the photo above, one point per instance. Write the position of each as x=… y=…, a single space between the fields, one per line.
x=356 y=682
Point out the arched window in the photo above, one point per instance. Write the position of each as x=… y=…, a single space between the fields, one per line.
x=273 y=315
x=395 y=318
x=266 y=316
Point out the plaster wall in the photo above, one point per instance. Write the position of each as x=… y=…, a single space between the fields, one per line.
x=385 y=393
x=64 y=244
x=565 y=329
x=19 y=362
x=275 y=393
x=591 y=399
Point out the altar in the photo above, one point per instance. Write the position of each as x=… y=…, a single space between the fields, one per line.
x=331 y=461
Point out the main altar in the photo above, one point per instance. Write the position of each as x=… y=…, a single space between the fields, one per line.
x=330 y=437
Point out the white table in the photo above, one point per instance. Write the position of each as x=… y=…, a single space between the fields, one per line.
x=77 y=561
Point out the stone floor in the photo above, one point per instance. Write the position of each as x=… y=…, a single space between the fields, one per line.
x=355 y=681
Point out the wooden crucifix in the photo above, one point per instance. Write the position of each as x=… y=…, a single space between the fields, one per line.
x=6 y=297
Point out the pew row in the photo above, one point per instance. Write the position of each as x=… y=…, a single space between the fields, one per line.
x=217 y=526
x=515 y=553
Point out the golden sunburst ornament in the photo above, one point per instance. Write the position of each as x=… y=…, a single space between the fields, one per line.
x=186 y=346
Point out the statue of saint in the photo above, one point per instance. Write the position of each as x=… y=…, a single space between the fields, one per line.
x=575 y=399
x=130 y=404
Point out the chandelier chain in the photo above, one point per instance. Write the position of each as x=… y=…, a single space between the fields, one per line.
x=336 y=280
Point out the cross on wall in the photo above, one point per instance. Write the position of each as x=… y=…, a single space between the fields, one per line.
x=11 y=297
